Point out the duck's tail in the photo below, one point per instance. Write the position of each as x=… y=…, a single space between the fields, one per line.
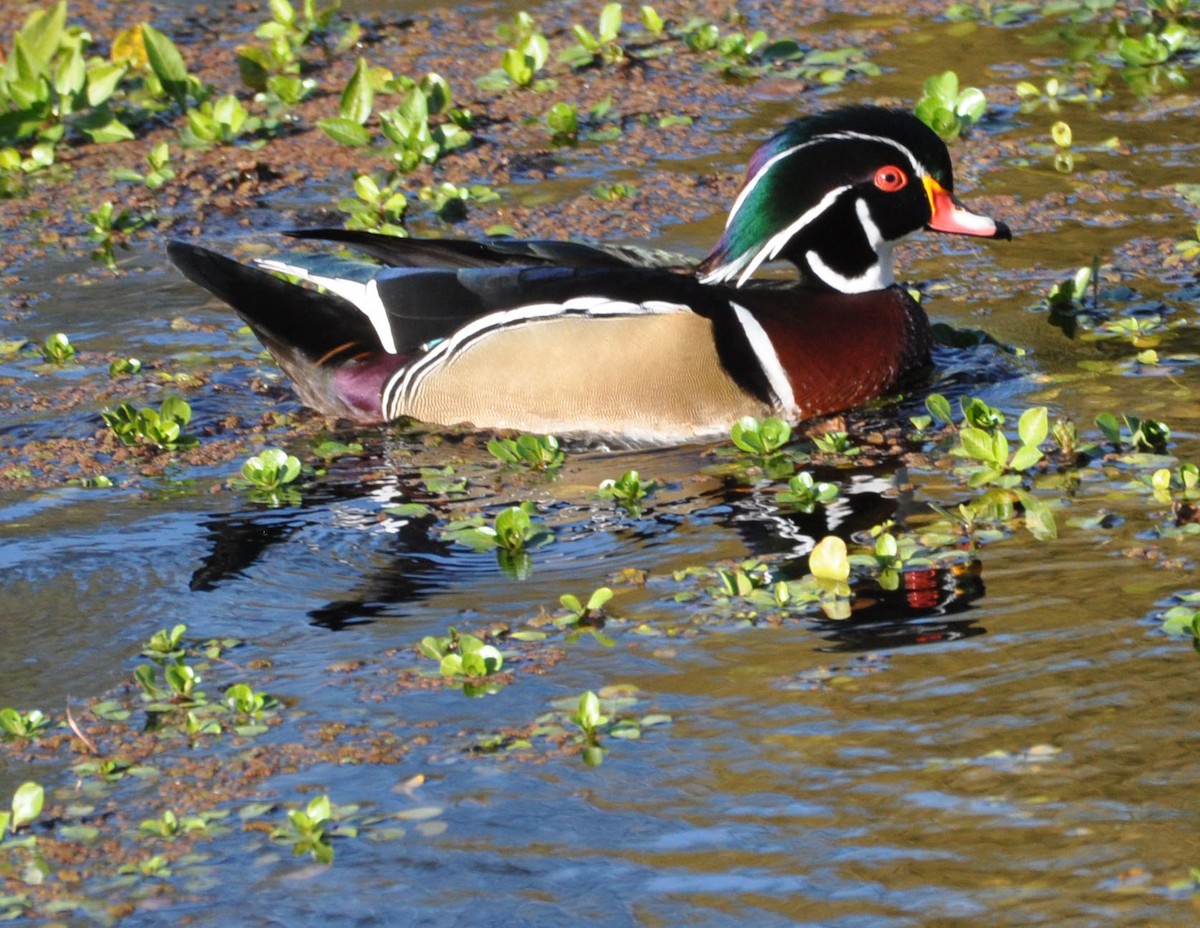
x=331 y=350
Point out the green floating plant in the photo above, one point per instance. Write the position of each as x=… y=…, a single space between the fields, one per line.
x=57 y=349
x=161 y=428
x=22 y=726
x=270 y=470
x=462 y=655
x=536 y=452
x=601 y=47
x=25 y=807
x=804 y=493
x=948 y=110
x=307 y=830
x=627 y=491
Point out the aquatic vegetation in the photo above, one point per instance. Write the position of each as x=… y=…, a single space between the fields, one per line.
x=221 y=122
x=169 y=74
x=1184 y=619
x=449 y=201
x=600 y=48
x=57 y=349
x=110 y=230
x=306 y=830
x=1144 y=435
x=948 y=110
x=25 y=807
x=375 y=207
x=595 y=603
x=410 y=139
x=837 y=443
x=161 y=428
x=462 y=655
x=526 y=54
x=563 y=120
x=627 y=491
x=16 y=725
x=804 y=493
x=1069 y=293
x=310 y=25
x=271 y=469
x=124 y=366
x=596 y=716
x=762 y=439
x=829 y=560
x=536 y=452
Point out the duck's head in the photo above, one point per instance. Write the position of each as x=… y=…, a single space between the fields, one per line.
x=833 y=193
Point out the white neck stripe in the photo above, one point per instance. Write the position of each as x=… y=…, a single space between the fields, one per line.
x=768 y=358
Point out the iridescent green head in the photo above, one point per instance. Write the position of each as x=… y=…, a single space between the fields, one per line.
x=833 y=193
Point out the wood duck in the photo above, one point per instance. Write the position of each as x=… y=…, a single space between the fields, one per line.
x=623 y=343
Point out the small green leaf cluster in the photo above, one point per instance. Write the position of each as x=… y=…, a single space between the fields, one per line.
x=627 y=491
x=410 y=138
x=170 y=687
x=889 y=556
x=449 y=201
x=47 y=82
x=269 y=471
x=111 y=229
x=982 y=439
x=837 y=443
x=804 y=493
x=596 y=716
x=1181 y=485
x=527 y=52
x=1052 y=93
x=311 y=25
x=789 y=60
x=461 y=655
x=946 y=109
x=25 y=807
x=1068 y=294
x=999 y=14
x=601 y=47
x=583 y=617
x=536 y=452
x=57 y=349
x=161 y=428
x=511 y=535
x=1184 y=619
x=306 y=830
x=220 y=122
x=982 y=442
x=762 y=439
x=159 y=173
x=375 y=207
x=123 y=366
x=1145 y=435
x=15 y=725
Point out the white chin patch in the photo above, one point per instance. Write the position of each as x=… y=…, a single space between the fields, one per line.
x=878 y=276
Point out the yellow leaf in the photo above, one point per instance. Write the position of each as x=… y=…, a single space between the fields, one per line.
x=828 y=560
x=128 y=46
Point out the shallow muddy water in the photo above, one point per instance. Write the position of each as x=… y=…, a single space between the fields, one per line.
x=1009 y=739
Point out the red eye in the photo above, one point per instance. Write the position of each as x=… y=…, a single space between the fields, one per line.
x=890 y=178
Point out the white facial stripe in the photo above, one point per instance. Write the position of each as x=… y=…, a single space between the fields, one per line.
x=760 y=342
x=402 y=386
x=751 y=183
x=364 y=296
x=776 y=242
x=878 y=276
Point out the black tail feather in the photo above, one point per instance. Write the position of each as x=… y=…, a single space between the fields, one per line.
x=323 y=343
